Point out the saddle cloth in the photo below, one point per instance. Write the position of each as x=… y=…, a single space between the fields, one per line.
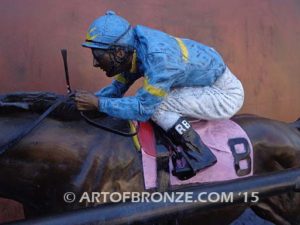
x=215 y=134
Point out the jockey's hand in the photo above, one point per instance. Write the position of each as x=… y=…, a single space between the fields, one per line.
x=86 y=101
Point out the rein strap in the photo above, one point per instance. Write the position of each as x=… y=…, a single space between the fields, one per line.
x=28 y=129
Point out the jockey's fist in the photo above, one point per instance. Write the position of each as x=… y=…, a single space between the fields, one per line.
x=86 y=101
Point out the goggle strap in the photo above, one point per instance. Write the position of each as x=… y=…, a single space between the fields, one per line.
x=115 y=41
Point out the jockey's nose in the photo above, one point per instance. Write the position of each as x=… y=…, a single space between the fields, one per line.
x=98 y=57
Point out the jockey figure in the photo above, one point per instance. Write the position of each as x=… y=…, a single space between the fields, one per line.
x=182 y=78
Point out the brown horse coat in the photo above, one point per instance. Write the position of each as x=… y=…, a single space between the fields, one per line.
x=60 y=156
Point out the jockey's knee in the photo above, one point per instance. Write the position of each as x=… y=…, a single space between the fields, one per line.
x=165 y=119
x=229 y=110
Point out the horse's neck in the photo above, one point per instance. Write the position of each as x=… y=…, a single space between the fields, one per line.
x=67 y=156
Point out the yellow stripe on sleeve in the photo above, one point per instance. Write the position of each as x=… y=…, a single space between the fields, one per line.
x=153 y=90
x=184 y=50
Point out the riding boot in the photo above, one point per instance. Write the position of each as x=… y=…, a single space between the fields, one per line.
x=197 y=154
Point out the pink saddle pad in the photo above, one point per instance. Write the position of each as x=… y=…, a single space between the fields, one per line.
x=215 y=134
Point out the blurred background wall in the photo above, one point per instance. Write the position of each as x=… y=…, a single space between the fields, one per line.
x=259 y=40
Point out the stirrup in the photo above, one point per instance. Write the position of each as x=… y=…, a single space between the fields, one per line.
x=185 y=172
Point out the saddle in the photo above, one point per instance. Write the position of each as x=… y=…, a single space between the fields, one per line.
x=164 y=166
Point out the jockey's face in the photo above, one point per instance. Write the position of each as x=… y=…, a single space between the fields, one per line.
x=112 y=61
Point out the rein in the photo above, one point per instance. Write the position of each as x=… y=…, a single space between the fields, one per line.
x=28 y=129
x=88 y=120
x=93 y=123
x=36 y=122
x=60 y=100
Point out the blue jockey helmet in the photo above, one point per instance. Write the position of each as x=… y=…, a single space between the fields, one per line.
x=108 y=31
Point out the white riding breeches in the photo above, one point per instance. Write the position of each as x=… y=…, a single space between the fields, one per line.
x=220 y=101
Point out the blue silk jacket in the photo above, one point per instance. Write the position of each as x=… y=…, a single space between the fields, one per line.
x=165 y=62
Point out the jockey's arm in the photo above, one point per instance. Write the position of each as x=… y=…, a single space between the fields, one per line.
x=139 y=107
x=159 y=77
x=119 y=86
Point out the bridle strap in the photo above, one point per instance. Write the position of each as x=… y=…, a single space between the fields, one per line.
x=115 y=41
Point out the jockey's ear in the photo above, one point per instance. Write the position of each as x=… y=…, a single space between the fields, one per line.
x=120 y=52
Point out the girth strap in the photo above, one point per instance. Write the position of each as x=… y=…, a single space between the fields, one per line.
x=163 y=176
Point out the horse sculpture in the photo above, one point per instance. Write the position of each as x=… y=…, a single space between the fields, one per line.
x=67 y=154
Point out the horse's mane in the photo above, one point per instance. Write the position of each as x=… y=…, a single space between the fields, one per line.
x=38 y=102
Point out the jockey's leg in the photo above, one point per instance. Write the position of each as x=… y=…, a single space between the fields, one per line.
x=199 y=155
x=219 y=101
